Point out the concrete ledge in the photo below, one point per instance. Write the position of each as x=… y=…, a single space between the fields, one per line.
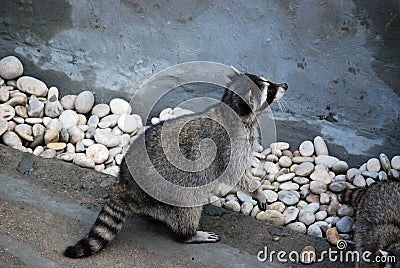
x=48 y=204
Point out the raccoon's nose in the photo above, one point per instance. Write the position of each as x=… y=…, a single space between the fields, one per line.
x=284 y=86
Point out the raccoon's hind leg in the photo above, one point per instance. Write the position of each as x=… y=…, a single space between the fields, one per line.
x=183 y=222
x=108 y=224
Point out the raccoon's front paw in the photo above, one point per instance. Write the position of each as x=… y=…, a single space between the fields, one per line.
x=259 y=195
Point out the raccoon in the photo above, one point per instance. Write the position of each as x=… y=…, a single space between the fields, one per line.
x=377 y=221
x=127 y=197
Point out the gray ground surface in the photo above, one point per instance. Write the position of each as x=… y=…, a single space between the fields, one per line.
x=341 y=59
x=46 y=205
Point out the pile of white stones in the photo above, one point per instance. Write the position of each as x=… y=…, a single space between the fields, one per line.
x=303 y=188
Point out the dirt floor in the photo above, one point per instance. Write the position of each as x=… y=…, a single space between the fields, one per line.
x=46 y=205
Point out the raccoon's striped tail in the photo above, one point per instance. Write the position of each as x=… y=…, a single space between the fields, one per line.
x=108 y=224
x=353 y=196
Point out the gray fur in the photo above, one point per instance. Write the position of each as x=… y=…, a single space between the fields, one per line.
x=378 y=221
x=130 y=198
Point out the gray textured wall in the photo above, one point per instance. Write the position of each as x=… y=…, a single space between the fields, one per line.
x=341 y=59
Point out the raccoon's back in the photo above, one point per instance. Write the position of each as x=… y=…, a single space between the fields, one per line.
x=379 y=204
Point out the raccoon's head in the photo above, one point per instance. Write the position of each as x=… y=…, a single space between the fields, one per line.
x=253 y=100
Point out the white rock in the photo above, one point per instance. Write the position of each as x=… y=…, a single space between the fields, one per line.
x=11 y=139
x=373 y=165
x=24 y=131
x=18 y=120
x=58 y=146
x=255 y=211
x=51 y=136
x=66 y=157
x=21 y=111
x=106 y=137
x=11 y=67
x=271 y=196
x=48 y=153
x=52 y=94
x=385 y=162
x=359 y=181
x=53 y=109
x=17 y=100
x=340 y=167
x=280 y=145
x=301 y=180
x=4 y=94
x=290 y=186
x=119 y=158
x=243 y=197
x=318 y=187
x=120 y=106
x=79 y=147
x=314 y=230
x=155 y=120
x=285 y=177
x=7 y=112
x=285 y=161
x=83 y=161
x=351 y=173
x=113 y=171
x=87 y=142
x=272 y=216
x=98 y=152
x=302 y=159
x=138 y=119
x=278 y=206
x=271 y=167
x=298 y=227
x=326 y=160
x=32 y=86
x=306 y=217
x=3 y=126
x=312 y=207
x=246 y=208
x=38 y=150
x=33 y=120
x=304 y=169
x=290 y=214
x=69 y=119
x=178 y=111
x=396 y=162
x=165 y=114
x=68 y=102
x=127 y=123
x=75 y=134
x=109 y=121
x=288 y=197
x=321 y=175
x=369 y=181
x=101 y=110
x=306 y=148
x=232 y=205
x=320 y=146
x=82 y=120
x=321 y=215
x=55 y=124
x=84 y=102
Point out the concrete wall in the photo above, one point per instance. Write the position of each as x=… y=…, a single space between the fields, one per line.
x=341 y=59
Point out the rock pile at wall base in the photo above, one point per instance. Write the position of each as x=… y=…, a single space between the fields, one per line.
x=304 y=187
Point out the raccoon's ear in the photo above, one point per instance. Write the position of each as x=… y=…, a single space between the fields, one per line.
x=235 y=71
x=384 y=253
